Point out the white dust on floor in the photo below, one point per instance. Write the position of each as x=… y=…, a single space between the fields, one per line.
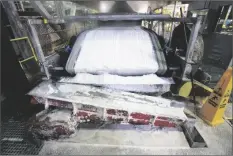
x=130 y=138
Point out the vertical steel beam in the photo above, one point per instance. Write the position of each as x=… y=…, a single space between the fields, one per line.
x=163 y=25
x=38 y=49
x=17 y=28
x=172 y=25
x=190 y=48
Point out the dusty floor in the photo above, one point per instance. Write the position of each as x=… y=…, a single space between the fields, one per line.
x=218 y=139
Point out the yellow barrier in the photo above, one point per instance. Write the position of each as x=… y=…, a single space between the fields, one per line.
x=213 y=110
x=203 y=86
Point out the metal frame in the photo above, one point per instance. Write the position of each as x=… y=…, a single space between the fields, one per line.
x=16 y=26
x=192 y=39
x=33 y=52
x=38 y=49
x=40 y=8
x=107 y=17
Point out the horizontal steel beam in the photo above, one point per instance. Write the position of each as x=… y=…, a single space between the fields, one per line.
x=123 y=17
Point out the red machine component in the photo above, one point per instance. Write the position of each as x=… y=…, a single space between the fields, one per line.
x=111 y=111
x=51 y=102
x=84 y=116
x=80 y=113
x=116 y=115
x=87 y=113
x=59 y=103
x=139 y=122
x=139 y=118
x=163 y=118
x=163 y=122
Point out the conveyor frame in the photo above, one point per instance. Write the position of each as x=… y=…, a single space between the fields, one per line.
x=106 y=17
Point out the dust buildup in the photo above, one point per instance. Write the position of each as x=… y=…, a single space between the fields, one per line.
x=56 y=124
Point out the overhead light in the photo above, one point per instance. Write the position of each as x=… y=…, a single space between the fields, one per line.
x=103 y=7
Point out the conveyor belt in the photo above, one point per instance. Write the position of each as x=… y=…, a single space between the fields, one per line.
x=146 y=65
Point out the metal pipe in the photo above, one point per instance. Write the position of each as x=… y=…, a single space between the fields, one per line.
x=38 y=6
x=17 y=39
x=173 y=14
x=132 y=17
x=16 y=27
x=32 y=57
x=38 y=49
x=163 y=25
x=121 y=18
x=155 y=17
x=33 y=51
x=193 y=38
x=190 y=48
x=105 y=17
x=29 y=42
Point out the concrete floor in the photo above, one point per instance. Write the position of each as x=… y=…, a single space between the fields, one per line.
x=218 y=139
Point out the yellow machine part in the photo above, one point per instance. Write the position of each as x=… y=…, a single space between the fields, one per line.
x=45 y=21
x=213 y=110
x=185 y=89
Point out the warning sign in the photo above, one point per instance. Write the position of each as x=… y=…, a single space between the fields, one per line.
x=214 y=104
x=213 y=110
x=213 y=100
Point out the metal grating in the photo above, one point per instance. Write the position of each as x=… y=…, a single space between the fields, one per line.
x=48 y=38
x=19 y=148
x=14 y=140
x=12 y=129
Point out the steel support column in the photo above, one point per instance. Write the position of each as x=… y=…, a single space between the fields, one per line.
x=38 y=49
x=188 y=59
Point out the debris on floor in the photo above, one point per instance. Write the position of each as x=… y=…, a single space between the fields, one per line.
x=53 y=125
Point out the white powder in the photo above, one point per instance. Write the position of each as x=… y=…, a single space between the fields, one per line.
x=59 y=115
x=145 y=83
x=117 y=50
x=86 y=78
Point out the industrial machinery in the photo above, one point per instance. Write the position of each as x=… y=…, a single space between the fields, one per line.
x=73 y=65
x=124 y=76
x=106 y=65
